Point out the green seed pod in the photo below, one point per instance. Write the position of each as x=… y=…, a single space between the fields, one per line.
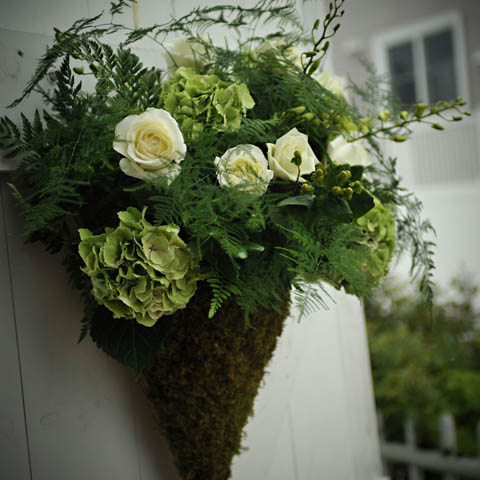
x=298 y=110
x=307 y=189
x=357 y=187
x=420 y=109
x=336 y=191
x=316 y=177
x=297 y=159
x=384 y=116
x=343 y=176
x=347 y=193
x=437 y=126
x=313 y=67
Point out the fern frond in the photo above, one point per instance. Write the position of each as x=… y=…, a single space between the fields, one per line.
x=220 y=293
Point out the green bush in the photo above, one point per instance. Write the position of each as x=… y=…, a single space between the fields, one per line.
x=426 y=363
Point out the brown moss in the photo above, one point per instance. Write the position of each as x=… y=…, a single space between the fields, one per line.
x=202 y=385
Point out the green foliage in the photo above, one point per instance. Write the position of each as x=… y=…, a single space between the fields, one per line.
x=424 y=365
x=251 y=248
x=126 y=341
x=220 y=292
x=413 y=233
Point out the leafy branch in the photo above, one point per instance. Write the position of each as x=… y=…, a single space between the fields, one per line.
x=310 y=60
x=397 y=129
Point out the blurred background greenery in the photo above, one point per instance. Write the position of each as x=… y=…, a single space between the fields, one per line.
x=425 y=363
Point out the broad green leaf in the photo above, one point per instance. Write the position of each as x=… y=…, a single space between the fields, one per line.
x=125 y=340
x=357 y=172
x=361 y=204
x=338 y=208
x=300 y=200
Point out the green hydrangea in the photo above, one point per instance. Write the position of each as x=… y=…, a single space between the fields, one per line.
x=378 y=228
x=139 y=270
x=363 y=264
x=197 y=101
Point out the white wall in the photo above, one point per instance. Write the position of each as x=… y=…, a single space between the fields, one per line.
x=70 y=412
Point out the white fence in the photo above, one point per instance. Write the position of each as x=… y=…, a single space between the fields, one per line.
x=444 y=460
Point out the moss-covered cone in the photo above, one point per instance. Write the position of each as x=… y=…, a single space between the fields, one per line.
x=202 y=385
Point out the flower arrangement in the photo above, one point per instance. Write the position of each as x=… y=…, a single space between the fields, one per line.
x=188 y=202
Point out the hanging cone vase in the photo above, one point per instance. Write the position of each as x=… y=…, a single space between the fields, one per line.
x=203 y=383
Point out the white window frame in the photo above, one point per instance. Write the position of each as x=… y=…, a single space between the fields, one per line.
x=414 y=32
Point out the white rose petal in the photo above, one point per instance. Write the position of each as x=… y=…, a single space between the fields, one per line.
x=281 y=154
x=182 y=52
x=353 y=153
x=152 y=145
x=332 y=82
x=245 y=167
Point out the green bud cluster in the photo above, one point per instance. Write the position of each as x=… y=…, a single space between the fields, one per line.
x=139 y=270
x=197 y=101
x=343 y=186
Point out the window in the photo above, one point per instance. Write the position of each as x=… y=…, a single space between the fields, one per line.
x=426 y=61
x=402 y=73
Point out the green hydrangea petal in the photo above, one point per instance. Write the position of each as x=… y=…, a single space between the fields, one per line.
x=197 y=100
x=139 y=270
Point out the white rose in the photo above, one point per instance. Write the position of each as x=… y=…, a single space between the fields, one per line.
x=152 y=145
x=332 y=82
x=292 y=53
x=245 y=167
x=281 y=154
x=183 y=52
x=353 y=153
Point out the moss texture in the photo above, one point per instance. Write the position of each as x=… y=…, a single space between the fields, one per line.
x=202 y=385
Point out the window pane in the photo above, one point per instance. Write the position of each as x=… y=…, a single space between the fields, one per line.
x=440 y=66
x=400 y=59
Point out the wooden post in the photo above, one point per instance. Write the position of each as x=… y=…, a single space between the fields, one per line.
x=478 y=438
x=448 y=439
x=414 y=473
x=381 y=436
